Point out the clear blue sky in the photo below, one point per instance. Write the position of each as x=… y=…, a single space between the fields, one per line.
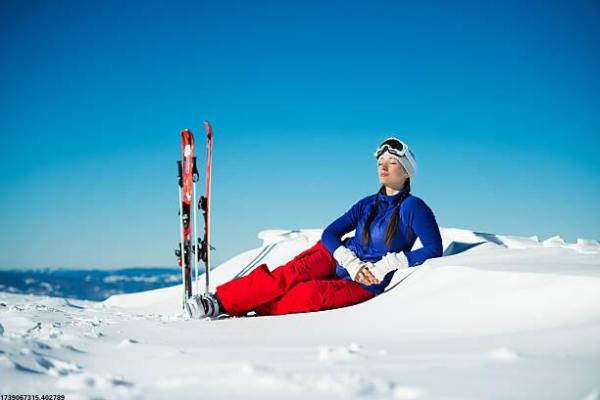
x=499 y=100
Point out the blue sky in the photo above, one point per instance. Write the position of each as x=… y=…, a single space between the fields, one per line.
x=499 y=101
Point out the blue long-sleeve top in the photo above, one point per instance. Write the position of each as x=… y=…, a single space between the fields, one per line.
x=416 y=220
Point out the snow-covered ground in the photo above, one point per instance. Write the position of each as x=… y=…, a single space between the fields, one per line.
x=498 y=317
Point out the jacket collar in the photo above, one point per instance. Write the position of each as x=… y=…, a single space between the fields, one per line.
x=384 y=198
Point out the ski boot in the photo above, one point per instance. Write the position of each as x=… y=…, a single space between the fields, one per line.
x=203 y=305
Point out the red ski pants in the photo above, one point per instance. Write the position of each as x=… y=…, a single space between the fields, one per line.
x=306 y=283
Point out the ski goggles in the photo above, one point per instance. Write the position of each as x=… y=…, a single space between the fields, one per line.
x=393 y=146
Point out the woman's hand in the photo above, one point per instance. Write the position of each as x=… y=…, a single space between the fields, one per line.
x=365 y=276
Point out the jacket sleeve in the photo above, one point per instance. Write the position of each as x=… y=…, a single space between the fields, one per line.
x=426 y=228
x=332 y=235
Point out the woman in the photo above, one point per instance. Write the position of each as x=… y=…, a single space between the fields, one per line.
x=335 y=273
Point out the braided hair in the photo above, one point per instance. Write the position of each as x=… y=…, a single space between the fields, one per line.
x=391 y=228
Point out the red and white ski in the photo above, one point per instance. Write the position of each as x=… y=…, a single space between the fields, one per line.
x=188 y=174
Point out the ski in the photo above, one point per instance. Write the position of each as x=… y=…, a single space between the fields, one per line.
x=204 y=206
x=188 y=174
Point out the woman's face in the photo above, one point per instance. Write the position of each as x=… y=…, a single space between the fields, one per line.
x=391 y=173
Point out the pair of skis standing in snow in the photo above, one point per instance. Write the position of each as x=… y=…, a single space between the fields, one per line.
x=333 y=273
x=193 y=249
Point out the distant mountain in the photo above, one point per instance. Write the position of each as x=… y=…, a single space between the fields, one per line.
x=96 y=285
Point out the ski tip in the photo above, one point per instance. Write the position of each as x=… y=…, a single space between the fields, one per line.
x=187 y=136
x=208 y=129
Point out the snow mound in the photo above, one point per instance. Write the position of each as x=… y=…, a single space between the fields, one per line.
x=480 y=277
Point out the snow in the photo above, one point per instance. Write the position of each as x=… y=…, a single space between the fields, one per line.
x=497 y=317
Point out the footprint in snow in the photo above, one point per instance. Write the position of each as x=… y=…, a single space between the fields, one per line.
x=128 y=342
x=345 y=353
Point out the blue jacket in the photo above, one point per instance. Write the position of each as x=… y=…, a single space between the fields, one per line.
x=416 y=220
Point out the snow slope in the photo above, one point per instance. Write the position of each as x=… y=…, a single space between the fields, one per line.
x=498 y=317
